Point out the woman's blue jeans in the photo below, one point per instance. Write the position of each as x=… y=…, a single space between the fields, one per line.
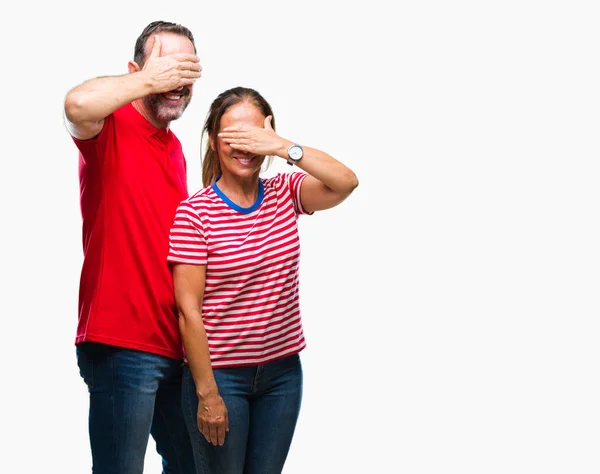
x=263 y=403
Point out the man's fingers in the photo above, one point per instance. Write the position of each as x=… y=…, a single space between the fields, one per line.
x=189 y=66
x=155 y=47
x=191 y=74
x=187 y=81
x=185 y=57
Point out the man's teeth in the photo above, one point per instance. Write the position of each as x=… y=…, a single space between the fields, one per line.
x=172 y=97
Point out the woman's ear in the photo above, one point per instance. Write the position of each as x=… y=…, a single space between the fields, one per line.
x=211 y=140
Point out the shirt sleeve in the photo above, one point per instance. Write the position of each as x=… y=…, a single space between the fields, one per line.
x=186 y=238
x=89 y=150
x=294 y=183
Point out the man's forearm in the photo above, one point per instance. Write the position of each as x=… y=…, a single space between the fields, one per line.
x=97 y=98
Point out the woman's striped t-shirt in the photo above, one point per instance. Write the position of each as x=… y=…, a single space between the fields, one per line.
x=250 y=307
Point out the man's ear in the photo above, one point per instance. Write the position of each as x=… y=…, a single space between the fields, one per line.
x=132 y=66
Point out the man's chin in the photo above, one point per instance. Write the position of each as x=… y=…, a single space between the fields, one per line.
x=168 y=114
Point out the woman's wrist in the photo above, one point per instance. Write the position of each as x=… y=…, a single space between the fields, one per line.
x=206 y=391
x=282 y=151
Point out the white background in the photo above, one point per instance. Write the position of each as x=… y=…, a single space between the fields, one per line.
x=450 y=305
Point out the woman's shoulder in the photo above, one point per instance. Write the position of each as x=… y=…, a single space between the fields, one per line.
x=201 y=198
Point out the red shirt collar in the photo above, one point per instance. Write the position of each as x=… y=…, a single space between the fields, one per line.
x=145 y=127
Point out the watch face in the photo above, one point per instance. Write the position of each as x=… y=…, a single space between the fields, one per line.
x=295 y=153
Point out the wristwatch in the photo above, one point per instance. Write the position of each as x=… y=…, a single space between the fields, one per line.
x=295 y=153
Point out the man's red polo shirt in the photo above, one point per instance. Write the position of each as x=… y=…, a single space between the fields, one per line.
x=132 y=178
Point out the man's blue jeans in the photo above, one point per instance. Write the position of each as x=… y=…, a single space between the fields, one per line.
x=134 y=394
x=263 y=403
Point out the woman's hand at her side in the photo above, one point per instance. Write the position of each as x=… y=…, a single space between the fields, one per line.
x=213 y=420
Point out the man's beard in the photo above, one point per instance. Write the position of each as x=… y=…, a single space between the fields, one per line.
x=162 y=111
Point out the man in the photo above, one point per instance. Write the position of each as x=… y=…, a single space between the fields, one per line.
x=132 y=177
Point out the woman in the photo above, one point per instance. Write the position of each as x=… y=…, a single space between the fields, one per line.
x=235 y=251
